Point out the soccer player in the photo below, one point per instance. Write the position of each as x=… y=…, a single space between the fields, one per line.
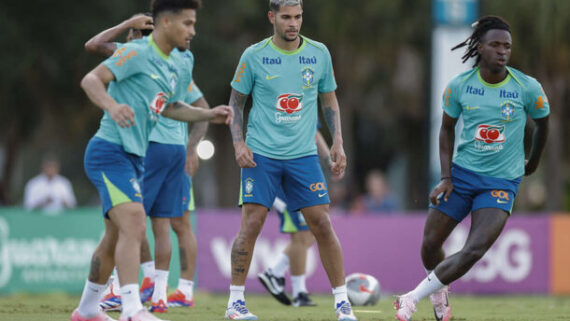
x=294 y=255
x=285 y=74
x=156 y=173
x=485 y=173
x=144 y=79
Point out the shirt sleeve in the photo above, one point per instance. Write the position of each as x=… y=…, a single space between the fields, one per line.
x=243 y=79
x=328 y=82
x=193 y=93
x=125 y=62
x=450 y=103
x=536 y=102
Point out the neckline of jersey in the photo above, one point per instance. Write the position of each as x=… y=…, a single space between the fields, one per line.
x=155 y=47
x=285 y=52
x=499 y=84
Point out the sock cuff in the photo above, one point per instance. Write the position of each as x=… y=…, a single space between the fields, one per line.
x=433 y=278
x=160 y=274
x=148 y=264
x=339 y=289
x=186 y=282
x=96 y=286
x=237 y=288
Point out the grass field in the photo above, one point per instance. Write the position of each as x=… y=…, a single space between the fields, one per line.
x=211 y=307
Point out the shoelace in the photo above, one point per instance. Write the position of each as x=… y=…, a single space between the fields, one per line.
x=239 y=305
x=344 y=307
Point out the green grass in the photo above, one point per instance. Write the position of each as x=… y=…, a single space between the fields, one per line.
x=211 y=307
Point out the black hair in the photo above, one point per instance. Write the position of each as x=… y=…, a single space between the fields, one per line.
x=159 y=6
x=146 y=32
x=481 y=26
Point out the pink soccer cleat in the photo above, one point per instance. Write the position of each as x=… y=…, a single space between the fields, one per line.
x=142 y=315
x=440 y=301
x=406 y=306
x=102 y=316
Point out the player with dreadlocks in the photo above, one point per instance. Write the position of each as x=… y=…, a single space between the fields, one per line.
x=482 y=178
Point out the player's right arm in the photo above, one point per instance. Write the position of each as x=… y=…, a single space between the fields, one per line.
x=102 y=44
x=95 y=86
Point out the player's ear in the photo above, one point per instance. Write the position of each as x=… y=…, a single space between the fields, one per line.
x=271 y=16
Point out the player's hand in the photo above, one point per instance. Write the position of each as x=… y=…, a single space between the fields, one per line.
x=244 y=155
x=222 y=114
x=141 y=22
x=192 y=163
x=529 y=167
x=334 y=177
x=338 y=159
x=445 y=186
x=123 y=115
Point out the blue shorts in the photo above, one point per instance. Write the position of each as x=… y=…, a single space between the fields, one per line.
x=301 y=178
x=188 y=194
x=163 y=180
x=472 y=191
x=291 y=221
x=115 y=173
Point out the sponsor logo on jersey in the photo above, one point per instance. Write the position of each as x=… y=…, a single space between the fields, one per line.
x=248 y=186
x=539 y=103
x=123 y=58
x=271 y=61
x=308 y=60
x=501 y=196
x=159 y=102
x=446 y=95
x=507 y=111
x=289 y=103
x=475 y=91
x=239 y=72
x=508 y=94
x=490 y=134
x=308 y=75
x=320 y=186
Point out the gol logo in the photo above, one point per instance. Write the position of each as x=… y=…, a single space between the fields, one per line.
x=158 y=103
x=123 y=59
x=490 y=134
x=239 y=72
x=289 y=103
x=500 y=194
x=320 y=186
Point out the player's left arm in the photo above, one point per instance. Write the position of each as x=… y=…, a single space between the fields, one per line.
x=331 y=112
x=197 y=132
x=102 y=43
x=538 y=142
x=181 y=111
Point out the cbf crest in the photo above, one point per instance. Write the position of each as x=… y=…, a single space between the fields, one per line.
x=248 y=186
x=507 y=111
x=308 y=76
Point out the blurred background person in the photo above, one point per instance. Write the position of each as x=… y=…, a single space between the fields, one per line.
x=378 y=197
x=49 y=191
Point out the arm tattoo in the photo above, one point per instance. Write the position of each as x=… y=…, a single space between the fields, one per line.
x=330 y=116
x=94 y=274
x=237 y=102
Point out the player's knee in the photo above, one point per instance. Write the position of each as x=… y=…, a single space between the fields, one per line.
x=321 y=227
x=429 y=246
x=252 y=227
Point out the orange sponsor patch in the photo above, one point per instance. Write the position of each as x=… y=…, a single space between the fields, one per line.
x=559 y=258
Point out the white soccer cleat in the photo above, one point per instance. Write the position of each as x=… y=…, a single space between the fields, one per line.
x=440 y=301
x=238 y=311
x=343 y=311
x=406 y=306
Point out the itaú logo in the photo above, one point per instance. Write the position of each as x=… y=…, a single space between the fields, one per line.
x=36 y=255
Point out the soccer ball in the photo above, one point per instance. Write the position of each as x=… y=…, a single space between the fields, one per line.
x=363 y=289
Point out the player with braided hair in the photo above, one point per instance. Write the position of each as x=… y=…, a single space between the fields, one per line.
x=482 y=178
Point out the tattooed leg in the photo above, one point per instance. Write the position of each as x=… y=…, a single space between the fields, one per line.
x=253 y=217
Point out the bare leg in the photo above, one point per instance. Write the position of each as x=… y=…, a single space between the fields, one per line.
x=317 y=218
x=145 y=251
x=187 y=245
x=129 y=218
x=437 y=228
x=103 y=259
x=162 y=244
x=296 y=250
x=486 y=226
x=252 y=219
